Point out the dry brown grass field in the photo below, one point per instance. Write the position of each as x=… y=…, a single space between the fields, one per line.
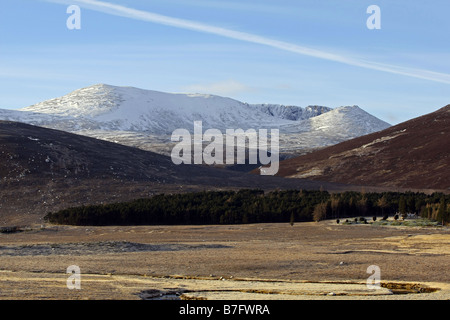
x=256 y=261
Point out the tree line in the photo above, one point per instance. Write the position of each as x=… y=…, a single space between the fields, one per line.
x=254 y=206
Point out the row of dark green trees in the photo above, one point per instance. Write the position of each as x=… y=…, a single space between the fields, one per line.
x=254 y=206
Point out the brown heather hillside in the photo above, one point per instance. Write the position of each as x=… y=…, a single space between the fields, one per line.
x=43 y=170
x=413 y=155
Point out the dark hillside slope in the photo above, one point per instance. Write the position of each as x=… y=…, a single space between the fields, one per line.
x=414 y=155
x=44 y=170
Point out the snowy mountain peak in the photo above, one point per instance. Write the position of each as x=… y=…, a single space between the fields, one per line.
x=91 y=101
x=350 y=120
x=109 y=107
x=145 y=118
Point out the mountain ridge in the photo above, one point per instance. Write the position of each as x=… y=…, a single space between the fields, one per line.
x=145 y=118
x=413 y=154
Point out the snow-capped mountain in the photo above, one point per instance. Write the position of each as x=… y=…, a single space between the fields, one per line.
x=131 y=109
x=330 y=128
x=146 y=119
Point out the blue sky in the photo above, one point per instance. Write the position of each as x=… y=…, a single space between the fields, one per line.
x=300 y=52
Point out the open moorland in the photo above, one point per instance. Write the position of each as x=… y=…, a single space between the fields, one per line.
x=308 y=260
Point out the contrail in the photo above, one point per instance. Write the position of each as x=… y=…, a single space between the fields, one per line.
x=119 y=10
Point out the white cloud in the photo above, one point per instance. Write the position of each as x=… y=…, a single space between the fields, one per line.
x=131 y=13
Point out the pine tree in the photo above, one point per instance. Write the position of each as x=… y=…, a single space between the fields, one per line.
x=441 y=214
x=382 y=203
x=402 y=206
